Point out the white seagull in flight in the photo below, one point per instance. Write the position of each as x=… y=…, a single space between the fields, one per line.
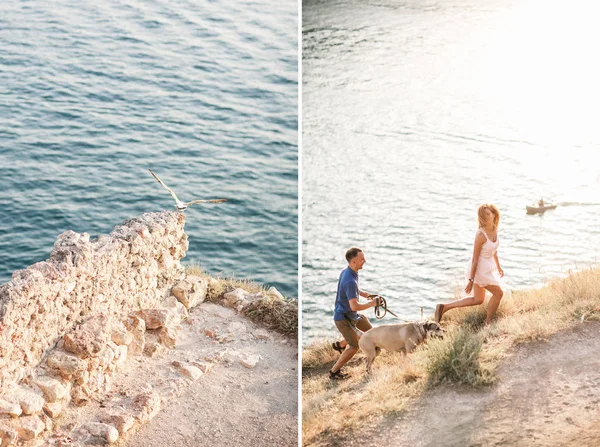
x=181 y=206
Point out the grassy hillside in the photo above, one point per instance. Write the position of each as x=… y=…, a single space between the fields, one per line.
x=469 y=354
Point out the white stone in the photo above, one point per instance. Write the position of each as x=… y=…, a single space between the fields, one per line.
x=121 y=357
x=235 y=296
x=204 y=366
x=103 y=431
x=262 y=334
x=12 y=409
x=189 y=371
x=31 y=427
x=145 y=406
x=121 y=337
x=274 y=291
x=8 y=434
x=250 y=361
x=53 y=390
x=29 y=401
x=119 y=418
x=54 y=409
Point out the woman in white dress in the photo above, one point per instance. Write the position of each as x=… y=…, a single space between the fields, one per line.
x=484 y=271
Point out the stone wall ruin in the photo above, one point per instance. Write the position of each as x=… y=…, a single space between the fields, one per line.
x=67 y=323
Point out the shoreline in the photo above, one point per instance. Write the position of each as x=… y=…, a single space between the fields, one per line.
x=332 y=332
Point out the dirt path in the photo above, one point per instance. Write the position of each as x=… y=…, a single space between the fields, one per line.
x=230 y=405
x=548 y=395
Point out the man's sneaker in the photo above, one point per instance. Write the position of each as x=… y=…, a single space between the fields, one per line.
x=339 y=375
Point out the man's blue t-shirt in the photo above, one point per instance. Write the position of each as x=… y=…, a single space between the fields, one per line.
x=347 y=289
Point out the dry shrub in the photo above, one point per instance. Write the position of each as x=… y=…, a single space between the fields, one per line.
x=455 y=359
x=274 y=312
x=270 y=310
x=318 y=354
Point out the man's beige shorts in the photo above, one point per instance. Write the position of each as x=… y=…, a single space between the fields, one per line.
x=348 y=329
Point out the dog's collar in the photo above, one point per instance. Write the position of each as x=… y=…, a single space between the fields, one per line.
x=422 y=330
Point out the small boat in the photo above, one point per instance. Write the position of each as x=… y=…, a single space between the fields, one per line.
x=536 y=209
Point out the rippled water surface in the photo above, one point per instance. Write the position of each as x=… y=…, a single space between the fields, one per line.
x=93 y=94
x=414 y=113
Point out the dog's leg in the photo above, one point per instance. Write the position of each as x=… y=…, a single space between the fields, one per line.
x=370 y=352
x=410 y=346
x=370 y=363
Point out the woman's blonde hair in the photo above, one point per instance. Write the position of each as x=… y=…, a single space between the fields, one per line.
x=481 y=216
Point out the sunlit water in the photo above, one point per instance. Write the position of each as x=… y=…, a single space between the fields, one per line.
x=416 y=112
x=205 y=93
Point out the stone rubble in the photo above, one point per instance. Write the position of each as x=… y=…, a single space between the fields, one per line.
x=67 y=325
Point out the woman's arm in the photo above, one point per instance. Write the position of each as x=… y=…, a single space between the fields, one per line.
x=498 y=265
x=479 y=241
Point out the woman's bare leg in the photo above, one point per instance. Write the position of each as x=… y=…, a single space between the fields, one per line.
x=475 y=300
x=497 y=294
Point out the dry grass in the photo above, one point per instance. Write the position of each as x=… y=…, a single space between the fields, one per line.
x=270 y=310
x=469 y=354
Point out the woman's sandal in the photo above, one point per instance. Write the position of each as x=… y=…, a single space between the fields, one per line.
x=337 y=347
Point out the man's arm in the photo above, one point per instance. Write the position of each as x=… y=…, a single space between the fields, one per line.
x=367 y=295
x=356 y=306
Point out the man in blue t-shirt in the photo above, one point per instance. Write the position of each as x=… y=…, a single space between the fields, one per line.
x=348 y=321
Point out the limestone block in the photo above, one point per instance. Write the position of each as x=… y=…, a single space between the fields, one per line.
x=166 y=261
x=189 y=371
x=145 y=406
x=106 y=356
x=168 y=336
x=205 y=367
x=155 y=318
x=153 y=349
x=30 y=401
x=191 y=291
x=122 y=337
x=119 y=418
x=79 y=397
x=121 y=357
x=137 y=327
x=66 y=364
x=53 y=409
x=178 y=310
x=30 y=427
x=236 y=297
x=48 y=424
x=250 y=361
x=8 y=434
x=53 y=390
x=105 y=432
x=261 y=334
x=10 y=408
x=89 y=339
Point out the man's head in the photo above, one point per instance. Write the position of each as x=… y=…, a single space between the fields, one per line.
x=356 y=258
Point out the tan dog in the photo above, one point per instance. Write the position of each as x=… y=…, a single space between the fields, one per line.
x=397 y=337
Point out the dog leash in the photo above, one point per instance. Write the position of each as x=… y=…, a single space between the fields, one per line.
x=381 y=309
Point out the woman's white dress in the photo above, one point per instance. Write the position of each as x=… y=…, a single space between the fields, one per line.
x=487 y=272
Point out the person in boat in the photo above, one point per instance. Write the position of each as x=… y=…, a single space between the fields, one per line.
x=346 y=317
x=541 y=203
x=484 y=271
